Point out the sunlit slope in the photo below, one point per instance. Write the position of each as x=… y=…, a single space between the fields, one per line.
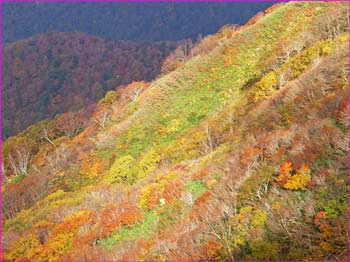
x=240 y=153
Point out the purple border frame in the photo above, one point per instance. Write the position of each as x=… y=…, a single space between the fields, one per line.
x=164 y=1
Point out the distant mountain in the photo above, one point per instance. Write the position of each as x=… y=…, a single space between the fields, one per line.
x=58 y=72
x=124 y=21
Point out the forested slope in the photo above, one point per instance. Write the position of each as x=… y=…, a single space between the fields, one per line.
x=59 y=72
x=239 y=153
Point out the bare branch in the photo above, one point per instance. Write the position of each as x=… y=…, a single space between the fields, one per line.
x=46 y=136
x=19 y=164
x=101 y=119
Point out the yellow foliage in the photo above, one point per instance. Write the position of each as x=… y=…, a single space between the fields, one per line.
x=62 y=236
x=42 y=224
x=240 y=225
x=242 y=217
x=23 y=247
x=148 y=163
x=56 y=247
x=164 y=178
x=276 y=205
x=150 y=195
x=173 y=127
x=266 y=86
x=123 y=170
x=299 y=180
x=259 y=218
x=211 y=183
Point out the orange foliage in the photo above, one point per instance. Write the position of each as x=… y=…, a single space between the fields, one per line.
x=73 y=222
x=255 y=19
x=211 y=249
x=200 y=175
x=272 y=8
x=292 y=179
x=325 y=229
x=143 y=247
x=199 y=206
x=151 y=195
x=113 y=216
x=92 y=166
x=284 y=172
x=203 y=198
x=250 y=154
x=129 y=213
x=86 y=239
x=108 y=219
x=320 y=217
x=173 y=190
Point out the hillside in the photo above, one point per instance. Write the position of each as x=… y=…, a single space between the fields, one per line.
x=124 y=21
x=239 y=153
x=60 y=72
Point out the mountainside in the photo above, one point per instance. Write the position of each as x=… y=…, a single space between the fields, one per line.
x=59 y=72
x=237 y=152
x=124 y=21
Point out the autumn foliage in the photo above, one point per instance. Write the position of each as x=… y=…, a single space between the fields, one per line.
x=241 y=153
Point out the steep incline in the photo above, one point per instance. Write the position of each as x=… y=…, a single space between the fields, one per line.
x=238 y=154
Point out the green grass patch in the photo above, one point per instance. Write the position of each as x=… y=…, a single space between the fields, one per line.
x=195 y=187
x=139 y=230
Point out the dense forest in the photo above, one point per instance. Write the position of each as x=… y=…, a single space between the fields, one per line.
x=236 y=150
x=59 y=72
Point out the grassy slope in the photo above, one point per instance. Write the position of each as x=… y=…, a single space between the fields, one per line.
x=221 y=134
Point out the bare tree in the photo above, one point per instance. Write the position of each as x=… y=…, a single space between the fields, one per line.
x=3 y=171
x=187 y=197
x=298 y=46
x=209 y=143
x=102 y=118
x=57 y=159
x=282 y=79
x=46 y=136
x=134 y=94
x=287 y=51
x=20 y=162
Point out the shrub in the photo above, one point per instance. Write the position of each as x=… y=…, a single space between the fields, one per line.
x=123 y=170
